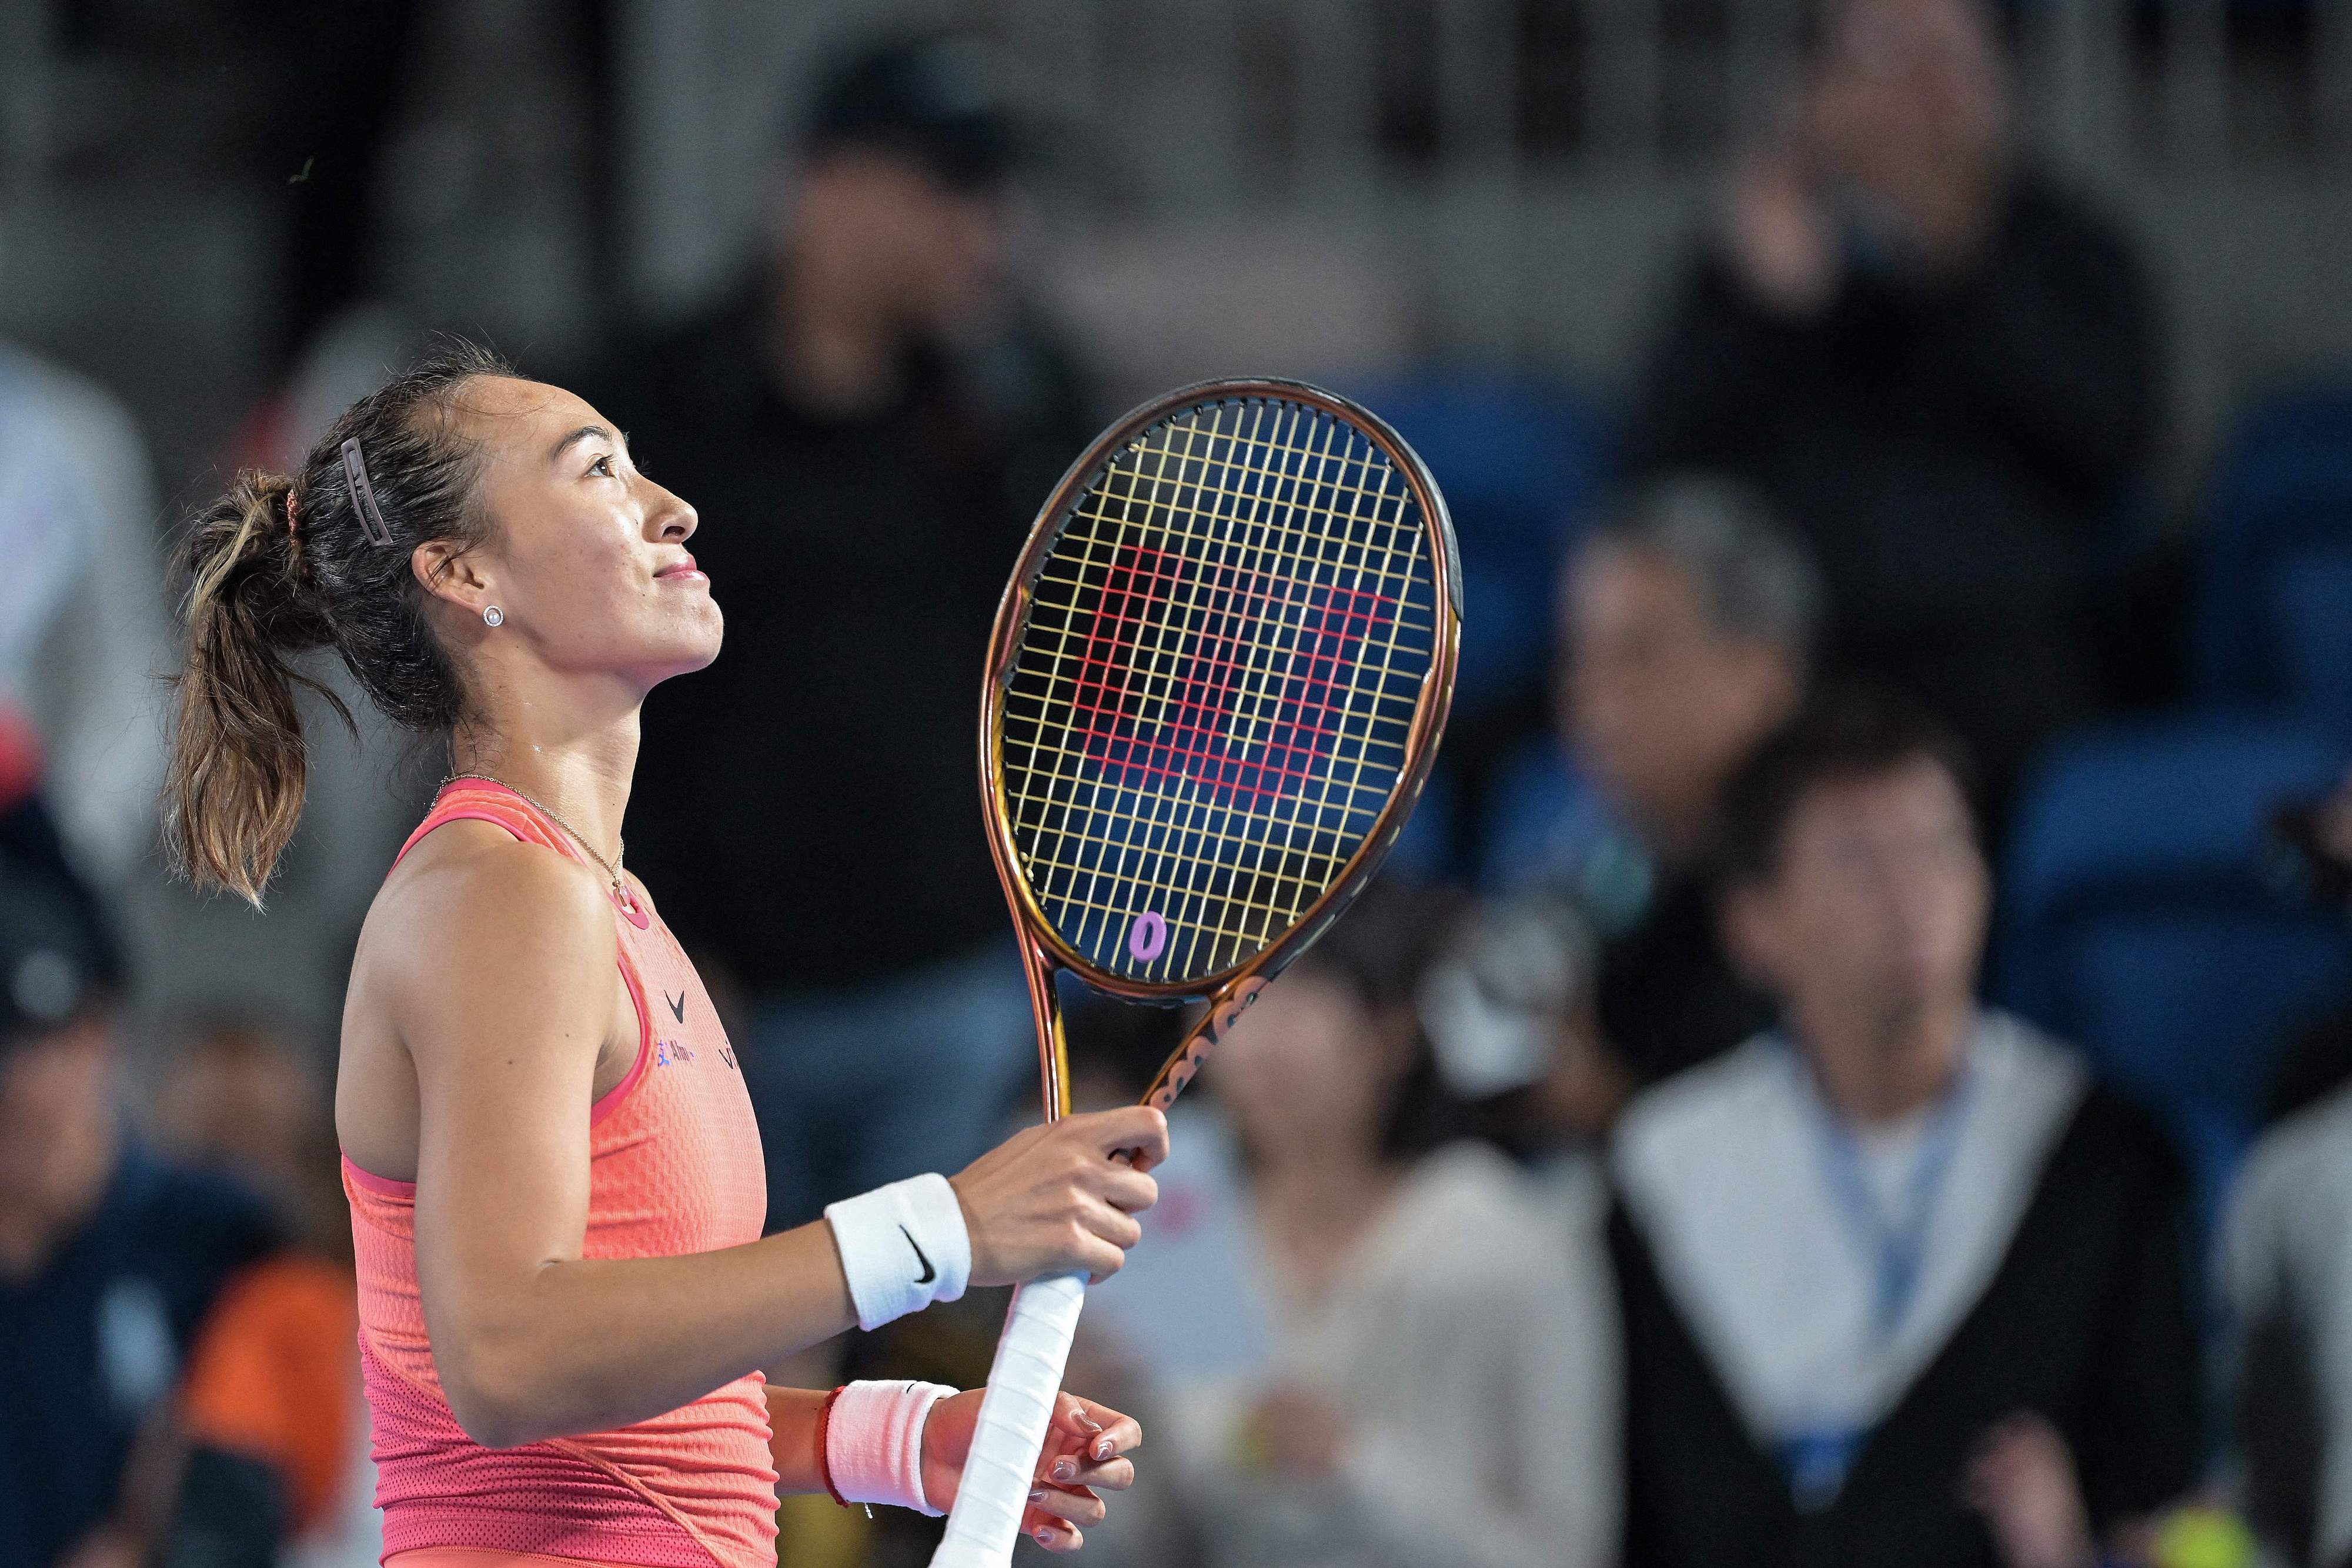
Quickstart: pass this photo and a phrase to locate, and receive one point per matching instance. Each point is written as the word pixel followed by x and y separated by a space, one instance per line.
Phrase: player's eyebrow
pixel 584 433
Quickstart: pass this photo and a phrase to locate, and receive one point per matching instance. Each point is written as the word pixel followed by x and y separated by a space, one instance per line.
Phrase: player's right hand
pixel 1055 1200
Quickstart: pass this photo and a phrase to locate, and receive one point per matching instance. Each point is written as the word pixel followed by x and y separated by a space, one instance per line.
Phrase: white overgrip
pixel 1014 1415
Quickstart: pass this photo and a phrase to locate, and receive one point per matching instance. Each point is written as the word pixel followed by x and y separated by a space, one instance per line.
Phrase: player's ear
pixel 450 570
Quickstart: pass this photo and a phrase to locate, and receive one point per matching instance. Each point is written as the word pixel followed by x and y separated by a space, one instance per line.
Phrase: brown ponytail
pixel 234 790
pixel 282 565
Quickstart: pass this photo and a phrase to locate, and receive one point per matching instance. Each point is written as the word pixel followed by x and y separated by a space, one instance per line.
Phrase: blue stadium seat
pixel 1519 462
pixel 1540 818
pixel 1551 829
pixel 2137 923
pixel 2273 623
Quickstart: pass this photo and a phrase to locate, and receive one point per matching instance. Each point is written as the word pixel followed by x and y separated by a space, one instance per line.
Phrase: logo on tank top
pixel 668 1050
pixel 676 1005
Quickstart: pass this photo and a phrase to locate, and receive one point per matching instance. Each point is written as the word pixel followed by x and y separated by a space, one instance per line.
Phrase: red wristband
pixel 823 1460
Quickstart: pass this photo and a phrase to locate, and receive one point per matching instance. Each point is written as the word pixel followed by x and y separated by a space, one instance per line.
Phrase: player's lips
pixel 684 570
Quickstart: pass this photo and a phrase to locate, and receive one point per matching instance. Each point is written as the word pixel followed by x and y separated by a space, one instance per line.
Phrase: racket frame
pixel 1231 991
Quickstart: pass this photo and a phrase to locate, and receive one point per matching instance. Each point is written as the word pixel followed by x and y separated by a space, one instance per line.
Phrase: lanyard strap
pixel 1897 1246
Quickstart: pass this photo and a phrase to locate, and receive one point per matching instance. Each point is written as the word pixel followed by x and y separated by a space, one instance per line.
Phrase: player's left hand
pixel 1085 1457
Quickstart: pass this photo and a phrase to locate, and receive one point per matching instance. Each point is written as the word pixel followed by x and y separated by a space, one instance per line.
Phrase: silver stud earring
pixel 493 616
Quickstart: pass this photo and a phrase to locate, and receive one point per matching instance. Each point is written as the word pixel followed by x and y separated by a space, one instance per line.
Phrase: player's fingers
pixel 1138 1129
pixel 1053 1534
pixel 1098 1258
pixel 1112 1475
pixel 1125 1189
pixel 1117 1435
pixel 1119 1229
pixel 1072 1505
pixel 1081 1419
pixel 1098 1464
pixel 1100 1430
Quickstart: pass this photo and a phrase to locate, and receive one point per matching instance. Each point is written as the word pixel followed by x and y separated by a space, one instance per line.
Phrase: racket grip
pixel 1014 1415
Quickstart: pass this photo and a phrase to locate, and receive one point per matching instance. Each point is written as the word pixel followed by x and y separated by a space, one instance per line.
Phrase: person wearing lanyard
pixel 1895 1274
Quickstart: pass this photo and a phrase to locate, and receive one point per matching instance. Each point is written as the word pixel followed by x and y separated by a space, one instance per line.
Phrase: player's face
pixel 587 558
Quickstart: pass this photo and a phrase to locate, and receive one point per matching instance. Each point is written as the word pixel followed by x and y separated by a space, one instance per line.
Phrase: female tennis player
pixel 554 1178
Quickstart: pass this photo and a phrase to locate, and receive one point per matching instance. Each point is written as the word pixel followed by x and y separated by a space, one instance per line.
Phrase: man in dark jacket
pixel 1903 1287
pixel 1943 370
pixel 109 1258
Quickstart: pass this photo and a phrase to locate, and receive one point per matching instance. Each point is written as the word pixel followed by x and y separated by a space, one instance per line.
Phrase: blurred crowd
pixel 1851 1065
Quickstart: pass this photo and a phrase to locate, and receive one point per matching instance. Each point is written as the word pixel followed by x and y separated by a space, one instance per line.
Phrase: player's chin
pixel 682 649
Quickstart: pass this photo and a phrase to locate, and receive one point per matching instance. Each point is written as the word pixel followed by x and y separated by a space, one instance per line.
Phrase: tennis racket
pixel 1215 687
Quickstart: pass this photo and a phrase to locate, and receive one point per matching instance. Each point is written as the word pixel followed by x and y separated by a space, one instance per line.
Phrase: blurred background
pixel 1841 379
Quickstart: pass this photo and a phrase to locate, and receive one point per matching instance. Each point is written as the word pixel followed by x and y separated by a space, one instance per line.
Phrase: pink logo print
pixel 1148 937
pixel 1244 689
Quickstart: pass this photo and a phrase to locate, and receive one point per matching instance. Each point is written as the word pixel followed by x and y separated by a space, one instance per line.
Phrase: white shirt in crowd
pixel 2286 1264
pixel 84 637
pixel 1771 1222
pixel 1470 1343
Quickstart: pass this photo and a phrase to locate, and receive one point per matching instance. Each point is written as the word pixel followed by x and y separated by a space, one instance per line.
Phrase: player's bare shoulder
pixel 473 900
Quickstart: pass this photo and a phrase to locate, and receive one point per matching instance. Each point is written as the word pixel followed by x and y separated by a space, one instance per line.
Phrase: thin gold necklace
pixel 612 867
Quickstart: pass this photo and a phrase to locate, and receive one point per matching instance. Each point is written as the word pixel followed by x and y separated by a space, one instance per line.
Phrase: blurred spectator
pixel 109 1258
pixel 1508 1009
pixel 2285 1253
pixel 866 429
pixel 276 1468
pixel 1686 622
pixel 1900 1258
pixel 1942 369
pixel 1371 1352
pixel 82 629
pixel 2286 1281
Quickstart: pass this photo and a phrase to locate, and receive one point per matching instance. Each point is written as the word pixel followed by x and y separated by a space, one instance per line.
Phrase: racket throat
pixel 1053 1039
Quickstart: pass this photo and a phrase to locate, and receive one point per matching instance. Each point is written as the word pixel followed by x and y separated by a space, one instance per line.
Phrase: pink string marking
pixel 1193 743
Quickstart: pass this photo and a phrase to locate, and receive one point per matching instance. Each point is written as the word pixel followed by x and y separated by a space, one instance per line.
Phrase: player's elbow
pixel 494 1416
pixel 491 1384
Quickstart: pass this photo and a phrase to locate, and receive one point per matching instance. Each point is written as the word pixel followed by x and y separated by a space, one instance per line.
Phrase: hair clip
pixel 364 496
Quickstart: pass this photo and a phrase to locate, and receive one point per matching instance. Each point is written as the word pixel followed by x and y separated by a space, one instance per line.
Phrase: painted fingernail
pixel 1065 1470
pixel 1089 1422
pixel 1044 1533
pixel 1037 1494
pixel 1102 1449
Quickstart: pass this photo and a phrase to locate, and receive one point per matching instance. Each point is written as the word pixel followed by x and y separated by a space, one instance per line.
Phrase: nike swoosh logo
pixel 927 1276
pixel 676 1005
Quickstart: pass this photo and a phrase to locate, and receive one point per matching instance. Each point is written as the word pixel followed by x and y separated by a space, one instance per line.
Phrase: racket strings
pixel 1325 482
pixel 1270 693
pixel 1214 694
pixel 1155 483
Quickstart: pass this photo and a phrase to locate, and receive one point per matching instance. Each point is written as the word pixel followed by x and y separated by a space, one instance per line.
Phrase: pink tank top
pixel 674 1167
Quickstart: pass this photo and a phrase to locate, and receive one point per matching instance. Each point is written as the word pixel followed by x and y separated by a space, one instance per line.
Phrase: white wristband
pixel 874 1442
pixel 903 1247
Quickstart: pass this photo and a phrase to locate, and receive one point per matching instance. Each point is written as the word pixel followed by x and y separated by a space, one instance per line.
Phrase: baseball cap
pixel 938 98
pixel 57 956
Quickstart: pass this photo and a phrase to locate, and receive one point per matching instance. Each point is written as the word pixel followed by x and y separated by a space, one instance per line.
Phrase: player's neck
pixel 579 771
